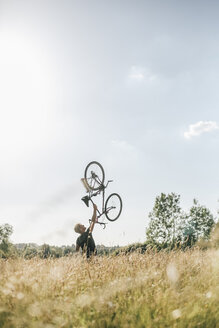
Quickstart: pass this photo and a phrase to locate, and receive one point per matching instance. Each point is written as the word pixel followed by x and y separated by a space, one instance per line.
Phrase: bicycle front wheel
pixel 113 207
pixel 94 175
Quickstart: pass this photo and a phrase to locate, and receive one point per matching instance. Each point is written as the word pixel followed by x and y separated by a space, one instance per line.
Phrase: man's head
pixel 79 228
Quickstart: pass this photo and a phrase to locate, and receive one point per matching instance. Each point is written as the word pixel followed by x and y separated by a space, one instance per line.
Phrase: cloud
pixel 138 73
pixel 199 128
pixel 122 145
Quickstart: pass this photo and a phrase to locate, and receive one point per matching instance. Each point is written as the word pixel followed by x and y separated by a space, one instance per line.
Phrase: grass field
pixel 175 289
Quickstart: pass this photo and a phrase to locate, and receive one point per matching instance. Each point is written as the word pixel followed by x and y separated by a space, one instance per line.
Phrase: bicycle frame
pixel 93 194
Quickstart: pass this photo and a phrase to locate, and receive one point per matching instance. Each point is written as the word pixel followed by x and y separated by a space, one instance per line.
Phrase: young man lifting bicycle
pixel 93 182
pixel 85 241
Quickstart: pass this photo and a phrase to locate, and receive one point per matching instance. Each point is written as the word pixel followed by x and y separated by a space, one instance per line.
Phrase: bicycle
pixel 93 181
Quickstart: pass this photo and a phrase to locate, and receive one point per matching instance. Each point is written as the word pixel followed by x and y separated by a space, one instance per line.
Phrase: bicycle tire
pixel 93 183
pixel 113 207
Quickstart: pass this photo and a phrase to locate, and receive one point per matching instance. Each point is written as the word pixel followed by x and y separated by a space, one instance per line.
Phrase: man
pixel 85 240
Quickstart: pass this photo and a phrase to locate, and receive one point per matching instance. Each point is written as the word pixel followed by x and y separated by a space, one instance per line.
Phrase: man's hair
pixel 77 228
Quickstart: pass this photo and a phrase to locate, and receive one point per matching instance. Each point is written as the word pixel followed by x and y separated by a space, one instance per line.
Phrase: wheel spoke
pixel 95 172
pixel 92 183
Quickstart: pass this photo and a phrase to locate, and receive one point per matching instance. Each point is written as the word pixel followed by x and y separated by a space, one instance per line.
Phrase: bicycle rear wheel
pixel 113 207
pixel 94 175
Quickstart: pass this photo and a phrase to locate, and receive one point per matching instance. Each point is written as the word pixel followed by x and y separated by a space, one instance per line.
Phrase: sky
pixel 130 84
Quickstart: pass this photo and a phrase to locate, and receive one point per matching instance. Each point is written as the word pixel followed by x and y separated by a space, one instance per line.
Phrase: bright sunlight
pixel 26 93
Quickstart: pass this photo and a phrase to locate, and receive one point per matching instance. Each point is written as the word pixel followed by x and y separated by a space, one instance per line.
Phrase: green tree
pixel 214 237
pixel 56 251
pixel 165 220
pixel 5 245
pixel 198 224
pixel 30 252
pixel 169 225
pixel 45 251
pixel 68 250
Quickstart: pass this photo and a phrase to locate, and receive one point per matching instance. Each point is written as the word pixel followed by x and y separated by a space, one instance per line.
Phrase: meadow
pixel 164 289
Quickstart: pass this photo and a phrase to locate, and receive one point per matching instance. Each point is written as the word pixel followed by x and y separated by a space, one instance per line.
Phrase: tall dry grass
pixel 175 289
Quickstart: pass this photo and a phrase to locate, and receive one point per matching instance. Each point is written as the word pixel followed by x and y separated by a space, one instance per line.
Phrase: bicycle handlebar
pixel 101 223
pixel 108 182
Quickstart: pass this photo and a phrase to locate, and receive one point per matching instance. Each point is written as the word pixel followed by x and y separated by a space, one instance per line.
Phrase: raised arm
pixel 94 217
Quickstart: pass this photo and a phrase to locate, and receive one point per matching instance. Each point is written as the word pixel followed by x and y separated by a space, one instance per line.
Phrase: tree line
pixel 169 227
pixel 30 250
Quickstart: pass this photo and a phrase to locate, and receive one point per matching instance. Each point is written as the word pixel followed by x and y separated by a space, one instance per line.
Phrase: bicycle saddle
pixel 86 200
